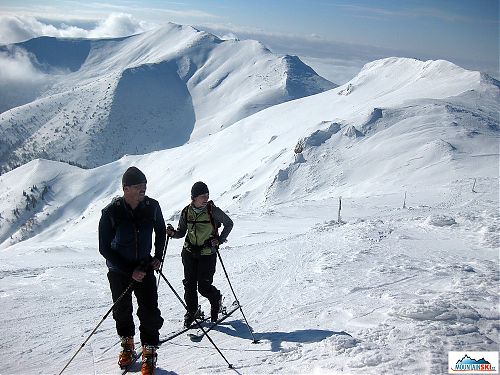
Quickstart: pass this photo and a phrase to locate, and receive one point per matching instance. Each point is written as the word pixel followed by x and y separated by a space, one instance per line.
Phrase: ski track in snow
pixel 380 294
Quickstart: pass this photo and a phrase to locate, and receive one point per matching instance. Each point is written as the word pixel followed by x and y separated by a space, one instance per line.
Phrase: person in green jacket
pixel 199 222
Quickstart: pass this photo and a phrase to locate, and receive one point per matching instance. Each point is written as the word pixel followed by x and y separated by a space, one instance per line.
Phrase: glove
pixel 140 272
pixel 213 241
pixel 170 230
pixel 155 263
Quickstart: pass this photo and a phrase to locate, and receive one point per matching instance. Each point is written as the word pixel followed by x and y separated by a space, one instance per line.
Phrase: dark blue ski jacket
pixel 125 235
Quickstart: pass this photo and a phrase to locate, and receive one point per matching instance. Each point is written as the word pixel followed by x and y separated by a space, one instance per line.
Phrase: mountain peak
pixel 397 77
pixel 147 92
pixel 412 67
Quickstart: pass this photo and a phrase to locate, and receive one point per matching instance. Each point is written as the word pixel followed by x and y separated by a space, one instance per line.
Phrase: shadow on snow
pixel 237 328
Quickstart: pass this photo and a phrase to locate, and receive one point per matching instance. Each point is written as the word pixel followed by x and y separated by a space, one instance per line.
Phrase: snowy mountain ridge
pixel 371 137
pixel 171 80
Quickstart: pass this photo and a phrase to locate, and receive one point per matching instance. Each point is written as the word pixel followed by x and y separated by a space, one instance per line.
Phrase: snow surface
pixel 389 289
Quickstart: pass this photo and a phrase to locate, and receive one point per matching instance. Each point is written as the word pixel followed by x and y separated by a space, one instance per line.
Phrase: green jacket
pixel 199 226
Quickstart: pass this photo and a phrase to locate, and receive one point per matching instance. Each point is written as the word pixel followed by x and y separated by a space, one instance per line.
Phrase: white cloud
pixel 15 29
pixel 20 80
pixel 16 66
pixel 118 24
pixel 447 15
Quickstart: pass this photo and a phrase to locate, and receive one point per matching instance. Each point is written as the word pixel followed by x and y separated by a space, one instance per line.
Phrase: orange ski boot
pixel 128 352
pixel 148 360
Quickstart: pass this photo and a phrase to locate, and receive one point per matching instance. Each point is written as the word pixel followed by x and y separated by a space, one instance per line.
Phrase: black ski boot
pixel 215 308
pixel 189 317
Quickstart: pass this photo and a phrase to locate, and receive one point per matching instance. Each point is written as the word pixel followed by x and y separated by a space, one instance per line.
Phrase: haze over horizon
pixel 335 38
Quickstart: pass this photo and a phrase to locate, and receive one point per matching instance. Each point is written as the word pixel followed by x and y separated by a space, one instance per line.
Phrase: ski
pixel 178 333
pixel 199 337
pixel 164 340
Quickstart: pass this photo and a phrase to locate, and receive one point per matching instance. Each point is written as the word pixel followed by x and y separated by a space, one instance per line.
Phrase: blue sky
pixel 439 26
pixel 462 31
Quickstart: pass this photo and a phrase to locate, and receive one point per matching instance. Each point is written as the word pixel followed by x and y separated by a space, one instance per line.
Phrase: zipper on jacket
pixel 136 243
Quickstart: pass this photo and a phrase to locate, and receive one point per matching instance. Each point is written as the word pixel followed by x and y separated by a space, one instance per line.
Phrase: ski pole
pixel 195 319
pixel 163 260
pixel 255 341
pixel 95 329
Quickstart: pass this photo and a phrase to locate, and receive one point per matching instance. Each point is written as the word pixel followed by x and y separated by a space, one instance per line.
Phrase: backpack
pixel 210 207
pixel 117 211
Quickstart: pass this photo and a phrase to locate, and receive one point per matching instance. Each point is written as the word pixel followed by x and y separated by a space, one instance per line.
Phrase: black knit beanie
pixel 199 188
pixel 133 176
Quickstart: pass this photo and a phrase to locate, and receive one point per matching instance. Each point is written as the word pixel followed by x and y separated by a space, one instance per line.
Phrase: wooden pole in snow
pixel 340 208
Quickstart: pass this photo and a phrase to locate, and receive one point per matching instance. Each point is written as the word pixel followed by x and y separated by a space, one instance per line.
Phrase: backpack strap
pixel 113 207
pixel 184 213
pixel 210 207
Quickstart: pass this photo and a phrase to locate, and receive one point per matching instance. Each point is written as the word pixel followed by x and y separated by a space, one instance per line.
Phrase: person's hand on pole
pixel 155 264
pixel 170 230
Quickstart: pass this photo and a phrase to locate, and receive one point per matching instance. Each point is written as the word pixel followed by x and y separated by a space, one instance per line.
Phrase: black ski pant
pixel 199 272
pixel 147 301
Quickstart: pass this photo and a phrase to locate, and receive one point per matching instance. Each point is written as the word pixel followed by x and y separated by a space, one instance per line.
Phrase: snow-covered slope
pixel 387 290
pixel 161 88
pixel 351 140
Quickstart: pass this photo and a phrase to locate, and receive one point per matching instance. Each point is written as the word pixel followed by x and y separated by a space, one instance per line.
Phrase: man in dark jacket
pixel 125 241
pixel 200 220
